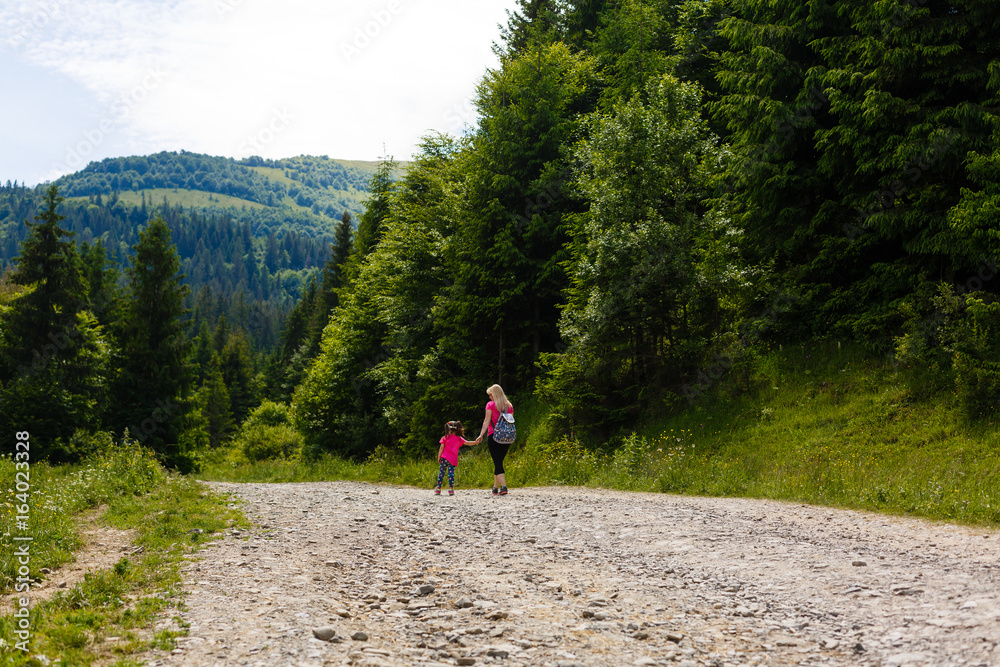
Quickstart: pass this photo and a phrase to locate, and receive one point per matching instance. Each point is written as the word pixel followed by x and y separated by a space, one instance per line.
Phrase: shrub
pixel 933 316
pixel 270 413
pixel 977 360
pixel 84 444
pixel 260 442
pixel 954 340
pixel 268 434
pixel 126 469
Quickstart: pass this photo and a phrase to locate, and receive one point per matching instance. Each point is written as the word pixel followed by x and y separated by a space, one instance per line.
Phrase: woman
pixel 498 403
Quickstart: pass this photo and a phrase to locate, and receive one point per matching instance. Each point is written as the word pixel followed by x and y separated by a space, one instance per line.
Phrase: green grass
pixel 369 165
pixel 825 426
pixel 351 194
pixel 58 494
pixel 187 198
pixel 127 599
pixel 274 174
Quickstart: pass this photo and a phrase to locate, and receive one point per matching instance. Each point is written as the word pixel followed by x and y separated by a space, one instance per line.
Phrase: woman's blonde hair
pixel 500 398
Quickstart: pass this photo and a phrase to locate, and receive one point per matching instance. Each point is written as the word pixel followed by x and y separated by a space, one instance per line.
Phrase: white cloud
pixel 275 77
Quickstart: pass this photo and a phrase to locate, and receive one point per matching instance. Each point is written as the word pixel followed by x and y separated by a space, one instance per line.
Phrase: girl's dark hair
pixel 454 427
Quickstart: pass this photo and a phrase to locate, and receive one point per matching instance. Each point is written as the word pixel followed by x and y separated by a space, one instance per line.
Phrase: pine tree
pixel 343 243
pixel 854 124
pixel 510 242
pixel 376 209
pixel 333 279
pixel 236 364
pixel 531 21
pixel 50 260
pixel 152 389
pixel 216 404
pixel 53 358
pixel 102 279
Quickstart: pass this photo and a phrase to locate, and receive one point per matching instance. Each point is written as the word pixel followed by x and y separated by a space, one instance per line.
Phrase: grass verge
pixel 825 426
pixel 105 618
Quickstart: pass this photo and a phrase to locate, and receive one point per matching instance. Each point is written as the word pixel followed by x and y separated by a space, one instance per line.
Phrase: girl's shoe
pixel 503 490
pixel 437 490
pixel 495 490
pixel 451 492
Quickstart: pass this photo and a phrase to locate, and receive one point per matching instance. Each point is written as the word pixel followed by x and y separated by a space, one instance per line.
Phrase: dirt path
pixel 568 576
pixel 102 548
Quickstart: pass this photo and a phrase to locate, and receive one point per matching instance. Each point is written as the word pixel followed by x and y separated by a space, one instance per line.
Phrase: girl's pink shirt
pixel 452 443
pixel 494 415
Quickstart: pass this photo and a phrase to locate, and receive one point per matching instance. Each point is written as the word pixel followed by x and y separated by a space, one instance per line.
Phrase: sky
pixel 83 80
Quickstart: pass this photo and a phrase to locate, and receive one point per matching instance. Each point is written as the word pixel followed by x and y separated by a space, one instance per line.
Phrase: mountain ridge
pixel 305 192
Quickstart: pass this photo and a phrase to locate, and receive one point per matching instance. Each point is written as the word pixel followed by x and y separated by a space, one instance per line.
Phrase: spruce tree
pixel 912 88
pixel 236 364
pixel 376 209
pixel 582 19
pixel 380 377
pixel 343 243
pixel 152 388
pixel 54 358
pixel 855 126
pixel 333 279
pixel 510 240
pixel 532 17
pixel 773 103
pixel 633 46
pixel 102 280
pixel 49 260
pixel 216 405
pixel 203 352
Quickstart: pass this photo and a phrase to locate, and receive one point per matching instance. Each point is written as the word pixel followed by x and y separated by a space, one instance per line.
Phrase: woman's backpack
pixel 504 432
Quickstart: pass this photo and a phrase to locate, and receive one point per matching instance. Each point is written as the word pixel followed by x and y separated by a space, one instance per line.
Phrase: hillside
pixel 305 193
pixel 255 227
pixel 252 278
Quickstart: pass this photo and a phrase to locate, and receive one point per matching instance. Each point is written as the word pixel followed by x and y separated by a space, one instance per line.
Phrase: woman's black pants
pixel 497 453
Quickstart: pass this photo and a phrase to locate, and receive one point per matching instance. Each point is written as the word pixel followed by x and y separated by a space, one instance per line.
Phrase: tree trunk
pixel 500 359
pixel 536 345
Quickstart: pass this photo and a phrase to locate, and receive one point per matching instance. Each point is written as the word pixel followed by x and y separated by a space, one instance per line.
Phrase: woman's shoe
pixel 437 490
pixel 503 490
pixel 495 490
pixel 451 492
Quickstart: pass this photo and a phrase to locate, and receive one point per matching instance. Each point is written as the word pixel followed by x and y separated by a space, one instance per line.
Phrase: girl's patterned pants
pixel 445 465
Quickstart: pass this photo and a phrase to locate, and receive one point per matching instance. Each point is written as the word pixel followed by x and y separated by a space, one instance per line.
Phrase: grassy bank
pixel 824 425
pixel 106 617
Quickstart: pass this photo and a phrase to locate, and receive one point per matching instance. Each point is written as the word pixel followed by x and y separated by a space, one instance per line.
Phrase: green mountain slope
pixel 305 194
pixel 250 234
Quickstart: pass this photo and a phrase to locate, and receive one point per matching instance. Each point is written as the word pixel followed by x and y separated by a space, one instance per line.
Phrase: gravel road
pixel 569 576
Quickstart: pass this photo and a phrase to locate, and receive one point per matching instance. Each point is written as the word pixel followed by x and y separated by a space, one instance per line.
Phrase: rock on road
pixel 343 573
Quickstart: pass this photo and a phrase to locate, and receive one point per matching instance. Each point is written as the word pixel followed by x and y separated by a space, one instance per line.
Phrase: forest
pixel 654 193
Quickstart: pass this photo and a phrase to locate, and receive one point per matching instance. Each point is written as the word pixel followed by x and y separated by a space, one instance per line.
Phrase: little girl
pixel 448 454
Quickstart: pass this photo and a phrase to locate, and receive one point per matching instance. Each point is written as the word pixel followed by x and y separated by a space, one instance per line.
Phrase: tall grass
pixel 826 425
pixel 58 493
pixel 168 514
